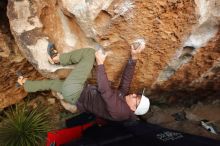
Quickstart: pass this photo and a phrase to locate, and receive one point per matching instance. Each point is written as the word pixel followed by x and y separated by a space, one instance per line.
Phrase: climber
pixel 101 100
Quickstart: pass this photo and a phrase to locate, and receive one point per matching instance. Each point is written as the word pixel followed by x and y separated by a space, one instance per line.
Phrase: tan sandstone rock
pixel 166 25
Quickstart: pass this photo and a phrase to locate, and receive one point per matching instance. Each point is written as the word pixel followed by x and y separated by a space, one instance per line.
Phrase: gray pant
pixel 72 86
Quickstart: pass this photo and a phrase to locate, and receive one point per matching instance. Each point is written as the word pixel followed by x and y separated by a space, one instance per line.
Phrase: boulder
pixel 167 26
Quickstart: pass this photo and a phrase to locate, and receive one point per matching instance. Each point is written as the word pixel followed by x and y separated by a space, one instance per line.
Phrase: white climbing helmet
pixel 143 106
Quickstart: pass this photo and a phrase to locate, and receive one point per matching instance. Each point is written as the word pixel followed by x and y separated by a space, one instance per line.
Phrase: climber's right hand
pixel 100 57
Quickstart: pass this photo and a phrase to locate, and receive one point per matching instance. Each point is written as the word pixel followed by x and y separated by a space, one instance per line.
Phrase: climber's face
pixel 133 101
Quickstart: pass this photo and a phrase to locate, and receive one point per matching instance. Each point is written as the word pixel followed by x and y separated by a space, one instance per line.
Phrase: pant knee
pixel 89 51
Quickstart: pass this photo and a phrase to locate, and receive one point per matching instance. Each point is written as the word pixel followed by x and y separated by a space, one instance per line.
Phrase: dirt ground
pixel 189 118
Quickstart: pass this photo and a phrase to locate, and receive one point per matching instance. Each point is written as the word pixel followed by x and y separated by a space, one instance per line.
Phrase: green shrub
pixel 24 126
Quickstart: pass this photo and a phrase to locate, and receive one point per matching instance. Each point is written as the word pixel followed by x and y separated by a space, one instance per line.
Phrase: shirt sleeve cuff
pixel 100 67
pixel 131 61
